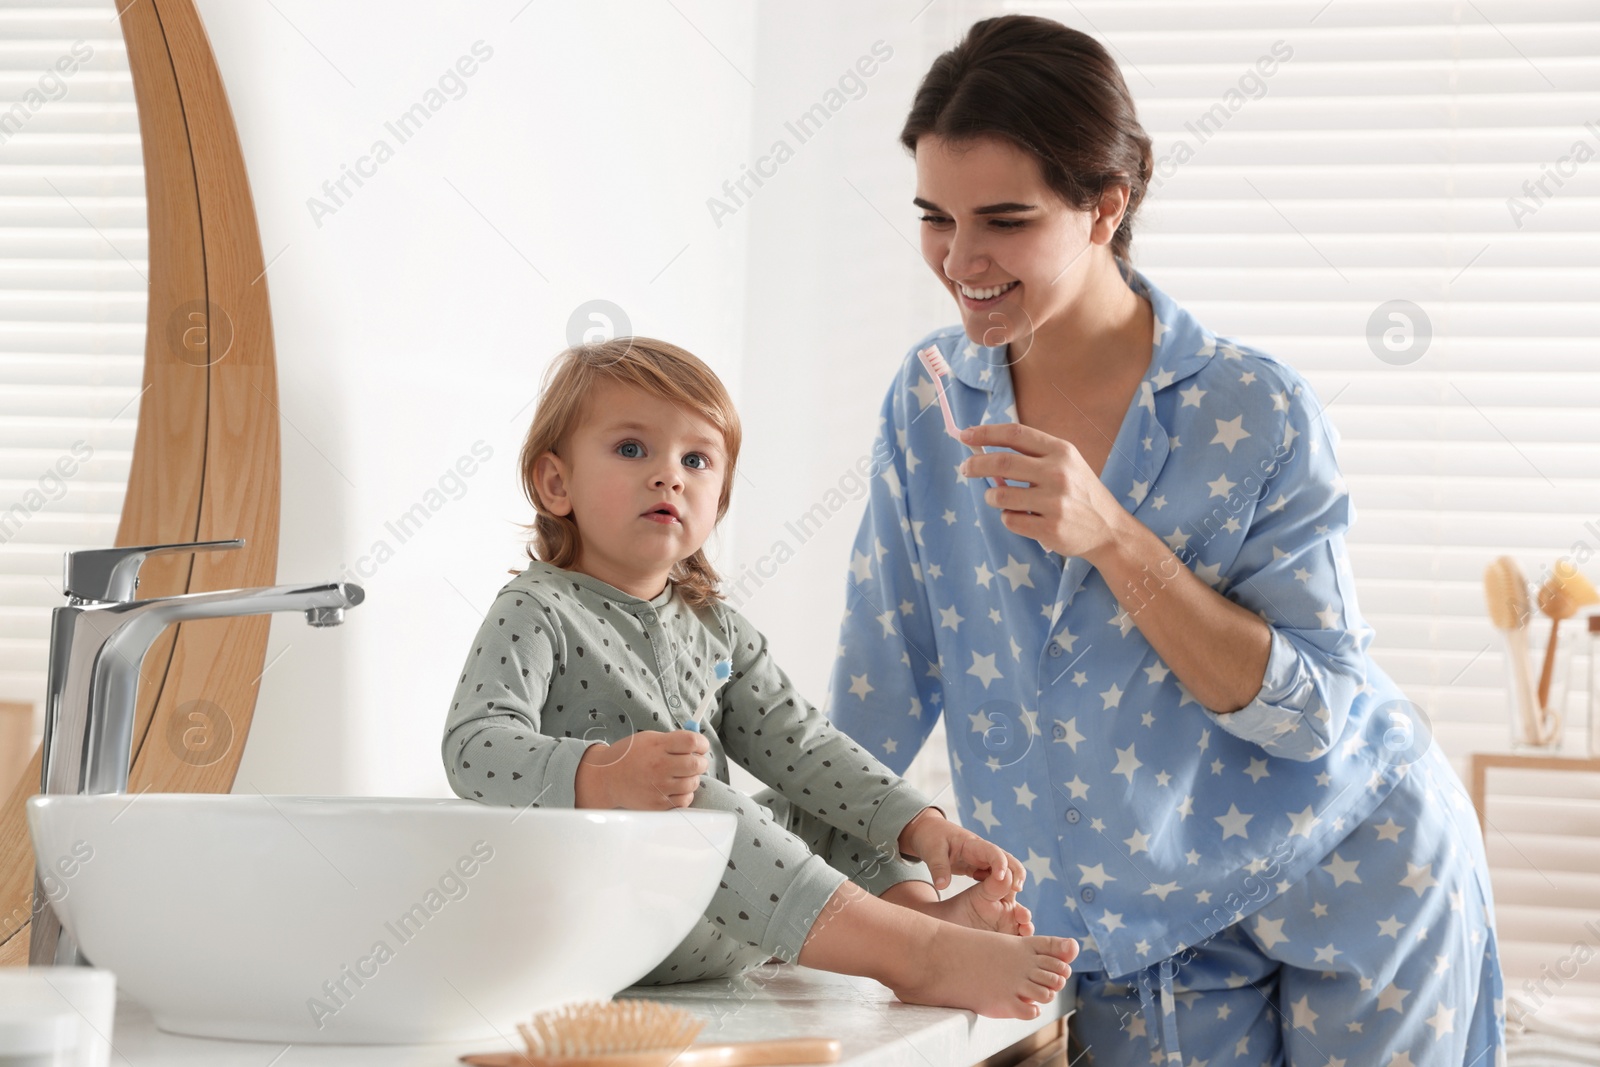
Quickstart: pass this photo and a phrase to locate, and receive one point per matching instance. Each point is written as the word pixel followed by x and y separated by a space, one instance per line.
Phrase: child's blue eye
pixel 638 450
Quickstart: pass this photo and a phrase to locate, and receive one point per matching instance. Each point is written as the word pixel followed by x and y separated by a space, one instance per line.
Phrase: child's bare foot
pixel 991 974
pixel 926 961
pixel 986 905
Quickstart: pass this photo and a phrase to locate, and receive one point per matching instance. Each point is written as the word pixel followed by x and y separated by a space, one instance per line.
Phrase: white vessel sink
pixel 370 920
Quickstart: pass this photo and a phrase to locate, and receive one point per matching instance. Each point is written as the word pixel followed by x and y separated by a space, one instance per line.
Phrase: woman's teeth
pixel 986 294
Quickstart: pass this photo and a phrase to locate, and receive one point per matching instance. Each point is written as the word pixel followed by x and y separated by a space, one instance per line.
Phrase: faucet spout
pixel 125 632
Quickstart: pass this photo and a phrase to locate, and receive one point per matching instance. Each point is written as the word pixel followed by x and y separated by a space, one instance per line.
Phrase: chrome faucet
pixel 97 641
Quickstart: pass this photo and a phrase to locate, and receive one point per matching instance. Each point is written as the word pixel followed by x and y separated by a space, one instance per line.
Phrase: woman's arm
pixel 885 690
pixel 1217 649
pixel 1289 568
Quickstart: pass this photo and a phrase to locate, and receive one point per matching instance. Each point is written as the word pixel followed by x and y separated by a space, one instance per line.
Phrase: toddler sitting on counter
pixel 582 681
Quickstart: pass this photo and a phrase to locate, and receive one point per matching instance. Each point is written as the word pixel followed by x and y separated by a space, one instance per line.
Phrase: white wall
pixel 414 321
pixel 838 292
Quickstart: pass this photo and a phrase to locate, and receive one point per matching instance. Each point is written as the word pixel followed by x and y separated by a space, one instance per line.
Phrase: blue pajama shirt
pixel 1154 830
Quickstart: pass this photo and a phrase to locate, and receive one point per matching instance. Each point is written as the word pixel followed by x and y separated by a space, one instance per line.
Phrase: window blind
pixel 72 308
pixel 1318 160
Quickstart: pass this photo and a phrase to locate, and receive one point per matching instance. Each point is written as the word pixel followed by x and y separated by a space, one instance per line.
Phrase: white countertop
pixel 774 1001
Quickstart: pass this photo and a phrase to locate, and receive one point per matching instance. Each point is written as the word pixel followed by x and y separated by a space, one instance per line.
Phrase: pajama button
pixel 648 616
pixel 1087 895
pixel 1055 649
pixel 672 701
pixel 1072 815
pixel 1058 731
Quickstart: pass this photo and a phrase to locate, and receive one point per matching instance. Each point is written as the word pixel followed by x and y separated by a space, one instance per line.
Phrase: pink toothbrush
pixel 937 368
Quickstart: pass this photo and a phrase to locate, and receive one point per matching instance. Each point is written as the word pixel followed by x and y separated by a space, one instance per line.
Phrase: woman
pixel 1156 678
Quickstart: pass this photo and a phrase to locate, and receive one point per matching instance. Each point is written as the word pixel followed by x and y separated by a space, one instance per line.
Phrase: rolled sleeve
pixel 1276 718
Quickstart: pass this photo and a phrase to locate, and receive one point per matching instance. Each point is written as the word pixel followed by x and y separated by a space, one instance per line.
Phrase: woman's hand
pixel 949 849
pixel 1065 507
pixel 651 770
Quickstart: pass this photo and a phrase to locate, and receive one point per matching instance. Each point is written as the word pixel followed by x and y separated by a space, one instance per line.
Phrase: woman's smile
pixel 978 298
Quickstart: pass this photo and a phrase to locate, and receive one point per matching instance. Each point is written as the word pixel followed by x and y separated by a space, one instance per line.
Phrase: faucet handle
pixel 110 575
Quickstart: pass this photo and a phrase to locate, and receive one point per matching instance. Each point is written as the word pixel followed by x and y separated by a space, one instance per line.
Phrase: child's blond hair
pixel 655 367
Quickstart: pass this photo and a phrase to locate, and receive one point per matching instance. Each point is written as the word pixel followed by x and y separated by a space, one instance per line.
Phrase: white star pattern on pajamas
pixel 1302 823
pixel 983 812
pixel 1038 867
pixel 1016 573
pixel 1230 433
pixel 1304 1018
pixel 1343 870
pixel 1233 823
pixel 1119 772
pixel 861 567
pixel 1069 735
pixel 1127 763
pixel 1095 876
pixel 983 669
pixel 1419 879
pixel 1270 931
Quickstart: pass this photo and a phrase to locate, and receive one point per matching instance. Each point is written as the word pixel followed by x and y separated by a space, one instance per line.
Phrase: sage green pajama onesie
pixel 564 661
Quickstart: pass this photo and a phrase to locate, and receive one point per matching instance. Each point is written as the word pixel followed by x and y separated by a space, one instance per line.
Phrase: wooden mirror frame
pixel 206 452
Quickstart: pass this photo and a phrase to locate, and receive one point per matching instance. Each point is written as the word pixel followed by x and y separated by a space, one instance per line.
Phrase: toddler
pixel 590 661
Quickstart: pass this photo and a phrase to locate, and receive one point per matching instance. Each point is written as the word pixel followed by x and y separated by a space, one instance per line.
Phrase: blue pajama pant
pixel 1390 964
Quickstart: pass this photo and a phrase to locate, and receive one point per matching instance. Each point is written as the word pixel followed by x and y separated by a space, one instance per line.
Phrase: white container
pixel 56 1016
pixel 1536 732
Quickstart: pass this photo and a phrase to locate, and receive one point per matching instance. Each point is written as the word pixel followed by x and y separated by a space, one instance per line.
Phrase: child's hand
pixel 950 849
pixel 647 771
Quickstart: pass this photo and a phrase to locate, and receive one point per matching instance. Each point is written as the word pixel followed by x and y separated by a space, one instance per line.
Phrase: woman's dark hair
pixel 1052 91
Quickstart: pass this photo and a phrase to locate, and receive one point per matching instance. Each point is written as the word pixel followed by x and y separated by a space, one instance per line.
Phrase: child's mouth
pixel 662 517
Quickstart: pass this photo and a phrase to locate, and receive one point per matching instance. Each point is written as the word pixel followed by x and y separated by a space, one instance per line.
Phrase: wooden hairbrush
pixel 641 1033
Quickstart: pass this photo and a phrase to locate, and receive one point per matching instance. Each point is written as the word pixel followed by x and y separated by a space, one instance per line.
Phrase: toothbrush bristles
pixel 934 361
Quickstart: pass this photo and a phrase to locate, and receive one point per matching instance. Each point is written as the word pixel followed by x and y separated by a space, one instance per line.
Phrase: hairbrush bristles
pixel 1506 591
pixel 598 1027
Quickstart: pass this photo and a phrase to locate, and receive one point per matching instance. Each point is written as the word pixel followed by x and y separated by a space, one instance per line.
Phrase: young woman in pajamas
pixel 590 660
pixel 1146 645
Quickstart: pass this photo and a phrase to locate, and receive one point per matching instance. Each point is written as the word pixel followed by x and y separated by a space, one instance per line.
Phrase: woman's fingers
pixel 1028 440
